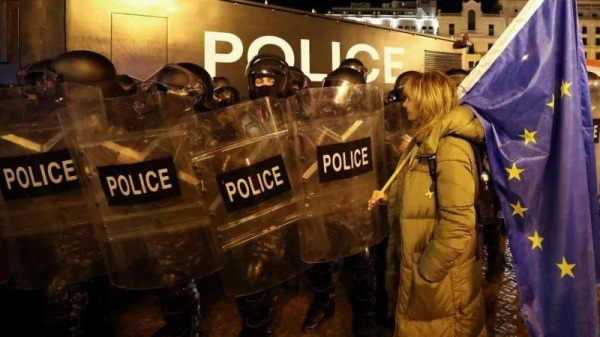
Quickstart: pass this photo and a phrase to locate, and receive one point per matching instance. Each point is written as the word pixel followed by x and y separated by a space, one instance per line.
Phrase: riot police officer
pixel 220 81
pixel 362 264
pixel 128 83
pixel 356 64
pixel 180 304
pixel 396 95
pixel 73 306
pixel 267 76
pixel 299 80
pixel 185 79
pixel 225 96
pixel 457 75
pixel 32 74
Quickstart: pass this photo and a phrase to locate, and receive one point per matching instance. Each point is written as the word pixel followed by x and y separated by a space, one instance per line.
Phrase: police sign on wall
pixel 222 36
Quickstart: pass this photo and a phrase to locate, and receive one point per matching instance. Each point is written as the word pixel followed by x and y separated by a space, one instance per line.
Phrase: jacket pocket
pixel 429 301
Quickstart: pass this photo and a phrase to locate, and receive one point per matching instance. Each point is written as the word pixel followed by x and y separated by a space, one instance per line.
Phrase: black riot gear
pixel 75 297
pixel 362 264
pixel 299 80
pixel 225 96
pixel 88 68
pixel 128 83
pixel 221 82
pixel 343 76
pixel 83 67
pixel 33 73
pixel 347 96
pixel 397 95
pixel 203 78
pixel 268 75
pixel 355 64
pixel 457 75
pixel 184 79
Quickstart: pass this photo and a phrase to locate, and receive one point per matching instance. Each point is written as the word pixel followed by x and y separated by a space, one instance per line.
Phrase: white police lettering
pixel 255 184
pixel 346 161
pixel 596 131
pixel 35 176
pixel 138 184
pixel 391 68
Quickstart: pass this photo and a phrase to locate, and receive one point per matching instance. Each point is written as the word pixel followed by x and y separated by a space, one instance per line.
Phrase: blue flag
pixel 531 93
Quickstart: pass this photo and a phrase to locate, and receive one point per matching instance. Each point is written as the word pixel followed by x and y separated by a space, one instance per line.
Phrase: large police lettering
pixel 346 160
pixel 255 184
pixel 143 183
pixel 212 58
pixel 51 173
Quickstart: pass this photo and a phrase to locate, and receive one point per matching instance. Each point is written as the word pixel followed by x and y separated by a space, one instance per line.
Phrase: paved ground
pixel 136 314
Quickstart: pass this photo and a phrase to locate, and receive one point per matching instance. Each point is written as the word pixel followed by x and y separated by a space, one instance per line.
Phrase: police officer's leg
pixel 65 308
pixel 180 307
pixel 323 302
pixel 364 282
pixel 258 313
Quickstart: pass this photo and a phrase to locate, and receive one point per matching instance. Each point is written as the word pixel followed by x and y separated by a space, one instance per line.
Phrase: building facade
pixel 484 29
pixel 417 16
pixel 481 29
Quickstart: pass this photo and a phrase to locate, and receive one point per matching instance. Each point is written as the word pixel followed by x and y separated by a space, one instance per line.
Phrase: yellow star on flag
pixel 519 209
pixel 514 172
pixel 565 268
pixel 429 194
pixel 564 89
pixel 529 137
pixel 551 103
pixel 536 240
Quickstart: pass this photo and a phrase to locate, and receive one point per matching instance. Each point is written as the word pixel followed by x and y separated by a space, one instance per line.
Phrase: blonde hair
pixel 433 95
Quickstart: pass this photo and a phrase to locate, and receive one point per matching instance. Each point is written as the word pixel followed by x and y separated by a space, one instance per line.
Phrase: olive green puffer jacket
pixel 434 278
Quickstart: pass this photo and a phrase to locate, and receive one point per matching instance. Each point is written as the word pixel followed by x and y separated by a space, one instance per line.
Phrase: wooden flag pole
pixel 396 173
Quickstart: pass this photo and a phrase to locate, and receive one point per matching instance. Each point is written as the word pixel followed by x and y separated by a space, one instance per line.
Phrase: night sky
pixel 322 6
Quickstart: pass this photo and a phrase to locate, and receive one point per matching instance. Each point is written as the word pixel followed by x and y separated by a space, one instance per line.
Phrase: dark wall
pixel 31 30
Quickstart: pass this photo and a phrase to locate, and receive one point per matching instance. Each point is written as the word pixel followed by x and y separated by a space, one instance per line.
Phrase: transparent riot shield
pixel 45 224
pixel 139 181
pixel 397 127
pixel 243 156
pixel 339 140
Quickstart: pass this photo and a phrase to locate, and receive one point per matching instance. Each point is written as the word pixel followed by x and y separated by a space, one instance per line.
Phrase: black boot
pixel 494 244
pixel 65 308
pixel 180 307
pixel 99 319
pixel 258 314
pixel 323 302
pixel 364 280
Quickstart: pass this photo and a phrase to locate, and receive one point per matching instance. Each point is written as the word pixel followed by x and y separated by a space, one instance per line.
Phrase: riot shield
pixel 243 157
pixel 339 140
pixel 48 236
pixel 139 181
pixel 396 126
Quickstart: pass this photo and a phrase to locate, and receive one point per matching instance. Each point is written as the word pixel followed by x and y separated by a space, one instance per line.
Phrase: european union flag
pixel 531 93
